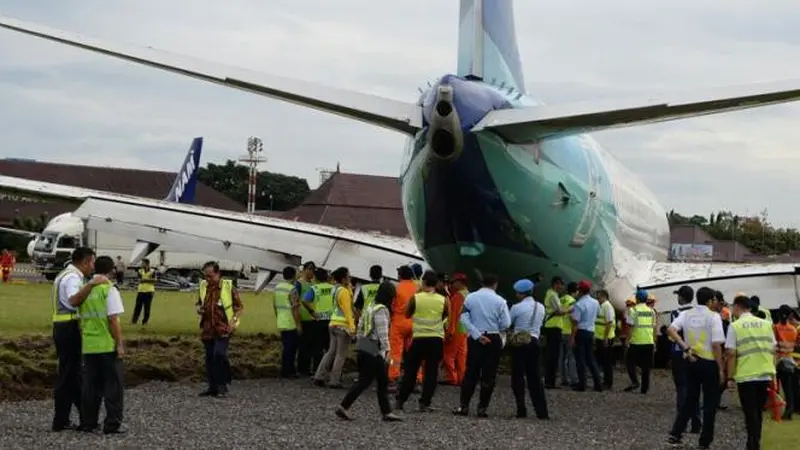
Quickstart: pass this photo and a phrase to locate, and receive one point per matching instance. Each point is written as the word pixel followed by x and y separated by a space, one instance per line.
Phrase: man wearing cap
pixel 584 314
pixel 485 316
pixel 679 363
pixel 702 347
pixel 527 316
pixel 305 350
pixel 641 344
pixel 455 338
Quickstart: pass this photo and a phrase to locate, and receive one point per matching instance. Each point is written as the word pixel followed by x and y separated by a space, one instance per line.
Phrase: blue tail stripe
pixel 185 185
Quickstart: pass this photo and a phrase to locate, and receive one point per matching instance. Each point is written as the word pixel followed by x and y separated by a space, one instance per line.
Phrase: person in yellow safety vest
pixel 604 333
pixel 368 291
pixel 428 312
pixel 552 331
pixel 103 348
pixel 220 309
pixel 287 316
pixel 756 301
pixel 417 269
pixel 751 365
pixel 641 344
pixel 372 354
pixel 145 292
pixel 342 328
pixel 569 371
pixel 306 363
pixel 319 299
pixel 701 345
pixel 69 289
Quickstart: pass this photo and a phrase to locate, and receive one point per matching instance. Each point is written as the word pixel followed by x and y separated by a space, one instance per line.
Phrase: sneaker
pixel 461 411
pixel 342 413
pixel 676 441
pixel 392 417
pixel 482 413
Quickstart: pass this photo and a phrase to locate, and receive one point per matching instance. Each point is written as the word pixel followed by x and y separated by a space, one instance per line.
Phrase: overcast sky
pixel 65 105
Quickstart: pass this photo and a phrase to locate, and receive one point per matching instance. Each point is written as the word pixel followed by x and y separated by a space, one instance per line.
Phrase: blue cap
pixel 641 295
pixel 523 286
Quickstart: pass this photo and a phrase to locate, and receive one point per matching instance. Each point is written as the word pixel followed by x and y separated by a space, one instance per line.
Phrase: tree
pixel 275 191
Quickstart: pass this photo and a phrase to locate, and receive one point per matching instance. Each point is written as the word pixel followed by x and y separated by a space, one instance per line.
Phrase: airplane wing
pixel 539 122
pixel 392 114
pixel 15 231
pixel 775 284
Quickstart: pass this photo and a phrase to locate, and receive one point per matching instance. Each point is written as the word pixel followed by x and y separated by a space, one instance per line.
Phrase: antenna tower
pixel 255 148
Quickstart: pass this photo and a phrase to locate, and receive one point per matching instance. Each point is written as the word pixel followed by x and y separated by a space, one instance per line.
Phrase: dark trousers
pixel 789 383
pixel 102 381
pixel 584 356
pixel 67 390
pixel 551 354
pixel 305 349
pixel 319 341
pixel 482 362
pixel 218 368
pixel 525 368
pixel 290 340
pixel 370 367
pixel 700 375
pixel 681 379
pixel 604 355
pixel 143 301
pixel 120 277
pixel 753 397
pixel 640 356
pixel 428 351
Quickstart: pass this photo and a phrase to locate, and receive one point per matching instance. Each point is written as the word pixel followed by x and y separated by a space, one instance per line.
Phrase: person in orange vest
pixel 5 265
pixel 787 369
pixel 455 340
pixel 401 327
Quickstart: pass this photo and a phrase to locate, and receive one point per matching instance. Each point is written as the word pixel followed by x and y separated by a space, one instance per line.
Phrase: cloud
pixel 62 104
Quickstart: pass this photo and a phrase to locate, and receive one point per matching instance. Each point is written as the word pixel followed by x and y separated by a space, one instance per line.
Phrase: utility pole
pixel 255 147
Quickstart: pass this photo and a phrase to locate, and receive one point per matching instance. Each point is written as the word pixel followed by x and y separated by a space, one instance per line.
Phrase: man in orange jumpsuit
pixel 5 265
pixel 455 337
pixel 400 328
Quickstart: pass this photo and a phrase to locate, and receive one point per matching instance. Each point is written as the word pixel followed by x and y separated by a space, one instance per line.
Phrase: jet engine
pixel 445 137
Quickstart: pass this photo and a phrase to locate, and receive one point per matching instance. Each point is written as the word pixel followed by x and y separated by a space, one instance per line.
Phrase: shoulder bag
pixel 523 338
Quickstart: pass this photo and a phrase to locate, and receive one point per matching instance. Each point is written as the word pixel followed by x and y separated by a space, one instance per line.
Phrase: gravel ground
pixel 292 414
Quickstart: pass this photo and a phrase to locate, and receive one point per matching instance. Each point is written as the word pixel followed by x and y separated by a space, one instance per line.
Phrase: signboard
pixel 691 252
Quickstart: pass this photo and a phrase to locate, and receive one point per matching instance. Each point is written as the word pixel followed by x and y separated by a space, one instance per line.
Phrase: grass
pixel 167 349
pixel 780 435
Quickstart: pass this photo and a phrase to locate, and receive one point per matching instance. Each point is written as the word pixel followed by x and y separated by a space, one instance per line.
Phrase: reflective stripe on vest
pixel 305 286
pixel 369 291
pixel 338 313
pixel 323 300
pixel 567 302
pixel 554 321
pixel 642 329
pixel 225 296
pixel 600 322
pixel 96 334
pixel 147 276
pixel 369 318
pixel 754 348
pixel 697 339
pixel 461 328
pixel 283 306
pixel 61 314
pixel 427 318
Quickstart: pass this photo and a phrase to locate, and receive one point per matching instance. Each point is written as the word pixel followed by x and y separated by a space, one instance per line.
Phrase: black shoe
pixel 672 440
pixel 426 409
pixel 704 446
pixel 461 411
pixel 114 431
pixel 342 413
pixel 320 383
pixel 696 430
pixel 578 389
pixel 67 426
pixel 209 393
pixel 631 388
pixel 482 413
pixel 87 428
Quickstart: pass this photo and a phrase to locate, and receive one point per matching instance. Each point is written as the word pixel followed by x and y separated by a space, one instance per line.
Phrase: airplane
pixel 494 181
pixel 49 250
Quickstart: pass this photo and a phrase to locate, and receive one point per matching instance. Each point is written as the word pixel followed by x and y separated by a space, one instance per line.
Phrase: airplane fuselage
pixel 476 203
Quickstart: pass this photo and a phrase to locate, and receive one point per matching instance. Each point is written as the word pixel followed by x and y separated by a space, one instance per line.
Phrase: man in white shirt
pixel 69 290
pixel 702 347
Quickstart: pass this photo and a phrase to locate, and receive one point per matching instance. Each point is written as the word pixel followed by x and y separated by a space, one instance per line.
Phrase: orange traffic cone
pixel 774 401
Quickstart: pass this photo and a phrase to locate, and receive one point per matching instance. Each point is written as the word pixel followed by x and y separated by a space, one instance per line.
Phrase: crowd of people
pixel 405 333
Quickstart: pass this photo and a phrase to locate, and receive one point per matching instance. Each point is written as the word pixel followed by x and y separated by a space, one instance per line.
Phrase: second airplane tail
pixel 185 184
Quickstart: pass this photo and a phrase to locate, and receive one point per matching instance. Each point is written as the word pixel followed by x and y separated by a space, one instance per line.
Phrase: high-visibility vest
pixel 566 320
pixel 225 296
pixel 305 286
pixel 368 317
pixel 643 321
pixel 323 300
pixel 369 291
pixel 754 348
pixel 696 339
pixel 147 275
pixel 553 321
pixel 96 334
pixel 427 318
pixel 283 306
pixel 600 322
pixel 338 315
pixel 60 313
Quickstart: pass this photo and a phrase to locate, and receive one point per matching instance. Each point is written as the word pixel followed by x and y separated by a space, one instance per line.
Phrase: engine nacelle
pixel 445 137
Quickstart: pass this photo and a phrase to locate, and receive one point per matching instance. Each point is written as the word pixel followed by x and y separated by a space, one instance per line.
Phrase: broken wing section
pixel 269 243
pixel 539 122
pixel 775 284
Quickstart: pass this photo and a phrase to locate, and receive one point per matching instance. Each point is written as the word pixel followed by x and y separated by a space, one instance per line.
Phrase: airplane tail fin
pixel 183 189
pixel 487 43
